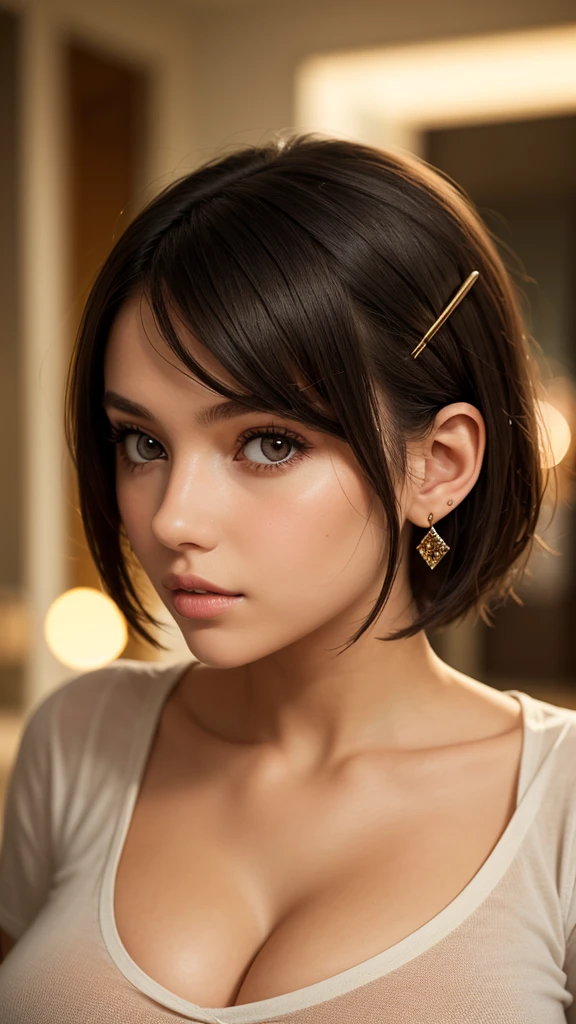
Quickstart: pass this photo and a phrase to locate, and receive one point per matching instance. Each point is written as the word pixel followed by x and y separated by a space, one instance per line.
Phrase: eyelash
pixel 117 435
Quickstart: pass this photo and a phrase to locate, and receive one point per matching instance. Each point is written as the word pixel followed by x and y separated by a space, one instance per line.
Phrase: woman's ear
pixel 445 467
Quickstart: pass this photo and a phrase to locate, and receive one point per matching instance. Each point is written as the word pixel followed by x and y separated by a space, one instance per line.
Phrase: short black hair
pixel 310 267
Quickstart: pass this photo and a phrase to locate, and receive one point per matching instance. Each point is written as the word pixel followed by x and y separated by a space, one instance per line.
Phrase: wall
pixel 246 56
pixel 11 420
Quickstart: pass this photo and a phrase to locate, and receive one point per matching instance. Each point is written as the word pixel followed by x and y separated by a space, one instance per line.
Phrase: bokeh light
pixel 555 435
pixel 85 629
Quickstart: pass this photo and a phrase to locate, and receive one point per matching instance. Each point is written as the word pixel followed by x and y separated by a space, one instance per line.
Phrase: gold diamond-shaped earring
pixel 432 547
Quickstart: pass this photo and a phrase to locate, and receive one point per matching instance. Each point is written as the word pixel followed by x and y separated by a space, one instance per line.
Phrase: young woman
pixel 295 365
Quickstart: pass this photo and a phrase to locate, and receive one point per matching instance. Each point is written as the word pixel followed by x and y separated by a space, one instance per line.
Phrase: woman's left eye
pixel 274 448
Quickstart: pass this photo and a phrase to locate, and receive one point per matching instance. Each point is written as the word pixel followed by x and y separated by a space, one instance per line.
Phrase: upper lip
pixel 175 582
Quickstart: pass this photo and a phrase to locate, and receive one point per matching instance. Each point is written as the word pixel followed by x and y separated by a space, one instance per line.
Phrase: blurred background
pixel 104 103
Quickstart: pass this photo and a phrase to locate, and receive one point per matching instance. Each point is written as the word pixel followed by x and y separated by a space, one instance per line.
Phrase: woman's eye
pixel 264 449
pixel 141 448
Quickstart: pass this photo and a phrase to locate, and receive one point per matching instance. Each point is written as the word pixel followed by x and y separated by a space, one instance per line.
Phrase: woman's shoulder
pixel 552 728
pixel 126 677
pixel 548 715
pixel 103 703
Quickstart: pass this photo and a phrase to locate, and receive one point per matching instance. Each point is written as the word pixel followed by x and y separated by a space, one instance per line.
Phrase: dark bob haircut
pixel 310 267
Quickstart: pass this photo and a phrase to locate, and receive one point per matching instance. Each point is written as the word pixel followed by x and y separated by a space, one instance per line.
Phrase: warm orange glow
pixel 373 93
pixel 85 629
pixel 555 435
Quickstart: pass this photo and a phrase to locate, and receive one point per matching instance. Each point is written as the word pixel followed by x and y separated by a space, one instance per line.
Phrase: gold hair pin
pixel 462 291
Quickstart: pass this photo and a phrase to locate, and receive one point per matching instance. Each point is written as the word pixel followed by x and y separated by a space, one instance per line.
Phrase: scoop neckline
pixel 529 792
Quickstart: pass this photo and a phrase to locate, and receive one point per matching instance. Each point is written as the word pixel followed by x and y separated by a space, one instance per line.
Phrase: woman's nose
pixel 188 510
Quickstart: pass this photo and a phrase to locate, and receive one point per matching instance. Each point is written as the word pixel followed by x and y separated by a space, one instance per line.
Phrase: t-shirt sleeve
pixel 568 901
pixel 570 971
pixel 26 854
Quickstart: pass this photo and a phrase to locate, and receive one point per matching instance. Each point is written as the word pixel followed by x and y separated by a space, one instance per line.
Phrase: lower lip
pixel 202 606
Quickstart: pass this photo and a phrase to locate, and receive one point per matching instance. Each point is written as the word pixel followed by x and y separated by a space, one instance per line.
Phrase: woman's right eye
pixel 141 445
pixel 134 446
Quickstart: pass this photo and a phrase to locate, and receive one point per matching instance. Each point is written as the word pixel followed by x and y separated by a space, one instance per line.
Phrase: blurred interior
pixel 102 104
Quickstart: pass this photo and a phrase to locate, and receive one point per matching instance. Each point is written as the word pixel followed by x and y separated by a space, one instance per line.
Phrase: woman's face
pixel 285 521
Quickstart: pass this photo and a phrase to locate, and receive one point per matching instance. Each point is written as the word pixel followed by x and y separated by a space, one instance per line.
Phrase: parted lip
pixel 175 582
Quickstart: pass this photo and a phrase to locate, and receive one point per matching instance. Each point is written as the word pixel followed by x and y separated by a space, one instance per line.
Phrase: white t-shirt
pixel 502 952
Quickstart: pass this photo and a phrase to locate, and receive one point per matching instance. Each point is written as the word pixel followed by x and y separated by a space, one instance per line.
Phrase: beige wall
pixel 10 423
pixel 245 56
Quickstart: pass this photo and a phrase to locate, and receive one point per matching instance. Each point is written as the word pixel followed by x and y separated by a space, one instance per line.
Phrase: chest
pixel 229 892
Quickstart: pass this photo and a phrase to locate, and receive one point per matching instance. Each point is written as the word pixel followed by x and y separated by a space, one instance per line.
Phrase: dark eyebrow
pixel 227 410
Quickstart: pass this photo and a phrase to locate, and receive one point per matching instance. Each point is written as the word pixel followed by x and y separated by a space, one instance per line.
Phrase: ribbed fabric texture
pixel 502 952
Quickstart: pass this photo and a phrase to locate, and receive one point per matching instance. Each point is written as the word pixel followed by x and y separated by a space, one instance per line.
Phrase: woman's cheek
pixel 135 513
pixel 312 536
